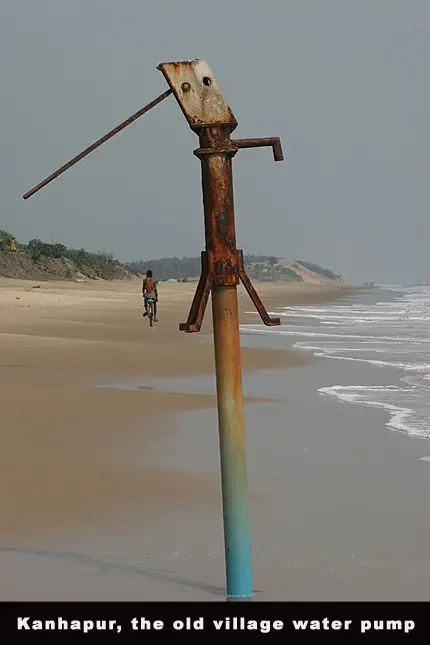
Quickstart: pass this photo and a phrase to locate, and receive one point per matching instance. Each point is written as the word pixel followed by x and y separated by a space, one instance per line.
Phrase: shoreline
pixel 61 433
pixel 338 506
pixel 400 415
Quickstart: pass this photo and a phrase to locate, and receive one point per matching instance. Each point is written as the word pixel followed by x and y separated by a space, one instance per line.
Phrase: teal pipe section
pixel 232 443
pixel 237 542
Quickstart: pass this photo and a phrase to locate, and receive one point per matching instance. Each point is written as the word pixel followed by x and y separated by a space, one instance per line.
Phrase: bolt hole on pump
pixel 222 269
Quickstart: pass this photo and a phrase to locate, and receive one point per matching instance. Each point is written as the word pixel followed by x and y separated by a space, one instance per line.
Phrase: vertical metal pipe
pixel 232 441
pixel 216 155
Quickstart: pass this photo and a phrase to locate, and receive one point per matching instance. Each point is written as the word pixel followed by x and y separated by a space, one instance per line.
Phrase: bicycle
pixel 150 304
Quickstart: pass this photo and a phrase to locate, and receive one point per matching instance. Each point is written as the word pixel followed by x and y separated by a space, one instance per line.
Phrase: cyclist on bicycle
pixel 149 290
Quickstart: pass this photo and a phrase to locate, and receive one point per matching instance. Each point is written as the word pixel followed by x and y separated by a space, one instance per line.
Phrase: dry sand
pixel 65 444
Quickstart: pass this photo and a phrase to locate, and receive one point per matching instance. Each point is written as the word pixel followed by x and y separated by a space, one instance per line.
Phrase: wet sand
pixel 79 461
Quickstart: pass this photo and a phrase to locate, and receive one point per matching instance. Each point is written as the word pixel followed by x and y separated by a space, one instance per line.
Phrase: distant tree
pixel 272 262
pixel 58 250
pixel 259 268
pixel 35 248
pixel 108 255
pixel 5 237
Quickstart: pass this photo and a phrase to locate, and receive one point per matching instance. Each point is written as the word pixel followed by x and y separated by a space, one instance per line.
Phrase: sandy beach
pixel 61 435
pixel 83 454
pixel 109 478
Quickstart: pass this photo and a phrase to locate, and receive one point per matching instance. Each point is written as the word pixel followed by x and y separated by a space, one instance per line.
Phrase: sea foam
pixel 391 334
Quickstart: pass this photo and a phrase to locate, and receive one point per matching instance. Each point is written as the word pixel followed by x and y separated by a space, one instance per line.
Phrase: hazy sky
pixel 344 83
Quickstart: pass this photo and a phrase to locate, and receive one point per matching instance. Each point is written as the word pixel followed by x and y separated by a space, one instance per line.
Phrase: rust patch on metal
pixel 272 142
pixel 222 263
pixel 198 94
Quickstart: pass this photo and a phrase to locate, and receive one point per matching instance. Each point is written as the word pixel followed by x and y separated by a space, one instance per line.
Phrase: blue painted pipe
pixel 232 442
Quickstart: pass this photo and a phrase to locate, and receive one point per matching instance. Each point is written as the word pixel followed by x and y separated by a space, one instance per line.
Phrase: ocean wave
pixel 402 419
pixel 293 331
pixel 394 334
pixel 407 367
pixel 360 320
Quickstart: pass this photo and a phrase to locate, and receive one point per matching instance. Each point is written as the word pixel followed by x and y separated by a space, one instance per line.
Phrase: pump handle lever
pixel 98 143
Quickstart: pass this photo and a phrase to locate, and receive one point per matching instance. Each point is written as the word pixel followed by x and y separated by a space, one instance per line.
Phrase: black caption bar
pixel 116 622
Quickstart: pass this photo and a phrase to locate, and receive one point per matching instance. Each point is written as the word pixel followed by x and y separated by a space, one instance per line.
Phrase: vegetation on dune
pixel 315 268
pixel 43 256
pixel 186 267
pixel 291 274
pixel 38 258
pixel 258 267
